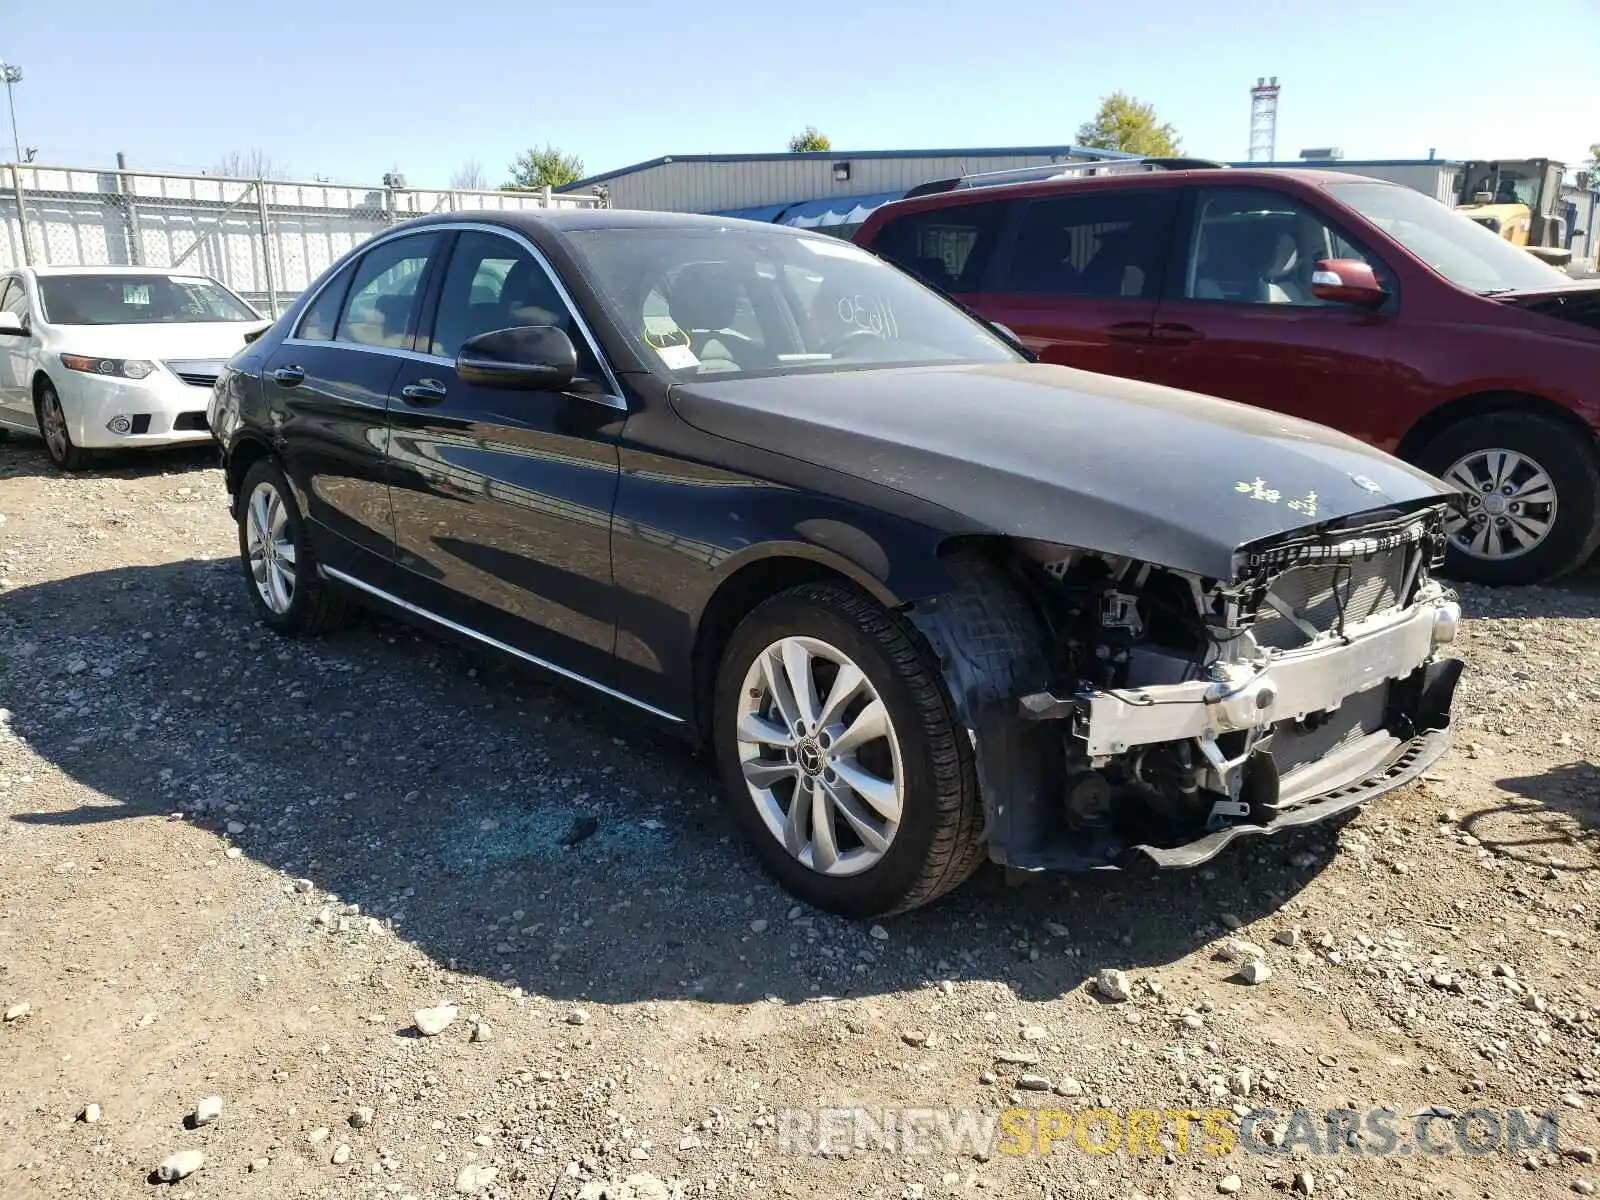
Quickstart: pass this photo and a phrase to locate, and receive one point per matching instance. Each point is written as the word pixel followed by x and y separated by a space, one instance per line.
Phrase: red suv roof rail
pixel 1068 170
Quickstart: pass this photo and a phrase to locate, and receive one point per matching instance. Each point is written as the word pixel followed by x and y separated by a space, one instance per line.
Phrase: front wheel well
pixel 245 454
pixel 1480 404
pixel 739 594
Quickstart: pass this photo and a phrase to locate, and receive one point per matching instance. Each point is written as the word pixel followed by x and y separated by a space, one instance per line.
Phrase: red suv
pixel 1361 304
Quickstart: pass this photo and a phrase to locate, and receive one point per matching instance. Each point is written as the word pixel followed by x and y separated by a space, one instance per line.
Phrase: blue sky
pixel 353 90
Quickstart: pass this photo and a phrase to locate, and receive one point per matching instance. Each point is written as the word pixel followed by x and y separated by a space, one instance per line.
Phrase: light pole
pixel 12 74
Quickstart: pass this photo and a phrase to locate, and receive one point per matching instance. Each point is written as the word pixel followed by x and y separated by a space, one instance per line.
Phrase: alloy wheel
pixel 270 547
pixel 820 757
pixel 54 422
pixel 1511 504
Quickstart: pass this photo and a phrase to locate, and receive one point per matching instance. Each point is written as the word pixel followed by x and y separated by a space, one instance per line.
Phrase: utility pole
pixel 12 75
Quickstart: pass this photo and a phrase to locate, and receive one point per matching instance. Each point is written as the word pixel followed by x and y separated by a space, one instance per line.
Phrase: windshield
pixel 733 302
pixel 138 300
pixel 1460 249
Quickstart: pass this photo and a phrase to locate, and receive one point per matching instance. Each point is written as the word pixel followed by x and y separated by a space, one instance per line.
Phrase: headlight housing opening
pixel 122 368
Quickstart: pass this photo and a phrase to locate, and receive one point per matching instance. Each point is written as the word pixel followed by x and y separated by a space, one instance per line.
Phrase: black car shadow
pixel 22 455
pixel 1566 794
pixel 515 829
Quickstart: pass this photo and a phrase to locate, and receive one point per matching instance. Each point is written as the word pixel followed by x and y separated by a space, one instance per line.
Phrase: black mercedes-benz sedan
pixel 926 601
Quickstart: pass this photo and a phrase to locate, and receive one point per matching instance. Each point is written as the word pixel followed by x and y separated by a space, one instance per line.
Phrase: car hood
pixel 1574 303
pixel 1046 452
pixel 200 340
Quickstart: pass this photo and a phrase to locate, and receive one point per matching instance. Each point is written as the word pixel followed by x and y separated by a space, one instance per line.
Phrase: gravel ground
pixel 234 868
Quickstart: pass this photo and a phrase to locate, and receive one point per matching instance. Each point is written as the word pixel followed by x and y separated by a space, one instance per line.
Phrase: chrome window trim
pixel 362 585
pixel 613 399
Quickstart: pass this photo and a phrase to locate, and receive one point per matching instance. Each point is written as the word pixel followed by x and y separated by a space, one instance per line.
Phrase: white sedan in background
pixel 97 358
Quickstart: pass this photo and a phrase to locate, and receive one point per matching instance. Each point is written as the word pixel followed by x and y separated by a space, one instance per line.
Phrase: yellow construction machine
pixel 1519 199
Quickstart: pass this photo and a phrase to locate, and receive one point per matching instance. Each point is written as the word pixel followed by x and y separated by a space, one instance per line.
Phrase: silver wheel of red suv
pixel 1511 504
pixel 1531 497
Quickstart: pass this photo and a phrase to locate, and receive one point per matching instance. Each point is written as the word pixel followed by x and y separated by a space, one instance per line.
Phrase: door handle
pixel 1171 334
pixel 424 391
pixel 289 376
pixel 1129 331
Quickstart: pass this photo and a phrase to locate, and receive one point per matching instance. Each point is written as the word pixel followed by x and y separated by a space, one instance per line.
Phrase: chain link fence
pixel 267 240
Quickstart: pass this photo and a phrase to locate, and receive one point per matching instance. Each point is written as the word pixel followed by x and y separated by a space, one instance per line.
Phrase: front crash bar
pixel 1290 686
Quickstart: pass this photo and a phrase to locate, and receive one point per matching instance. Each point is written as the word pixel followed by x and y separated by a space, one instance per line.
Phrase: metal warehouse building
pixel 833 189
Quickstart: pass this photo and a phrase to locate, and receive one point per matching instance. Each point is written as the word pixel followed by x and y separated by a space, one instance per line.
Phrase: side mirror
pixel 537 358
pixel 1347 281
pixel 11 325
pixel 251 335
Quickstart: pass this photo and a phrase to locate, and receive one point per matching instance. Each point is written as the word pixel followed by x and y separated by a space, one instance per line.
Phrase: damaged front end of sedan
pixel 1172 713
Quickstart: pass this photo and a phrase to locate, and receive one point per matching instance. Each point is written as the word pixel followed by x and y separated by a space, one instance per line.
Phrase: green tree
pixel 549 167
pixel 1127 123
pixel 808 141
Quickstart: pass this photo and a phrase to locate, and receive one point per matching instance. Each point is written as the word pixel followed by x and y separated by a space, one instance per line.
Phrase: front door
pixel 1080 281
pixel 1242 322
pixel 502 498
pixel 16 383
pixel 328 388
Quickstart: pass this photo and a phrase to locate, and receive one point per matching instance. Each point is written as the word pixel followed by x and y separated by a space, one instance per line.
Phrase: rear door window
pixel 949 248
pixel 381 310
pixel 322 314
pixel 1104 243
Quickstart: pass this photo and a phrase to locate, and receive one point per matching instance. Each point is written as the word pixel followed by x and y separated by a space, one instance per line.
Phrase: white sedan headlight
pixel 125 368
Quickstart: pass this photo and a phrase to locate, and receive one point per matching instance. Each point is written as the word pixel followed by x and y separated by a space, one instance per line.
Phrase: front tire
pixel 280 566
pixel 1533 489
pixel 52 419
pixel 840 754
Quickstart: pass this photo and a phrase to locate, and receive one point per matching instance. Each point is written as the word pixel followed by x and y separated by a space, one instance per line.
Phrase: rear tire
pixel 937 839
pixel 286 590
pixel 52 419
pixel 1505 538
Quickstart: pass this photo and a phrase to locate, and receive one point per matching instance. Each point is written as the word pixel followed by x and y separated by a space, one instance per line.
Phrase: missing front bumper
pixel 1294 686
pixel 1342 724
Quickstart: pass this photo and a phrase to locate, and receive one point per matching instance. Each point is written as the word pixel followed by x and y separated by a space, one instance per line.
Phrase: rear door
pixel 1240 320
pixel 328 385
pixel 1079 280
pixel 502 498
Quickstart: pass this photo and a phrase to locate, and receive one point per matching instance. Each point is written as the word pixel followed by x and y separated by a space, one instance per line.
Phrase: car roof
pixel 570 220
pixel 178 271
pixel 1033 188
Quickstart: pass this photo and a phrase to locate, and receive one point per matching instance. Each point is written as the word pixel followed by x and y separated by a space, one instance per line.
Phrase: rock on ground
pixel 1113 985
pixel 180 1165
pixel 475 1177
pixel 433 1021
